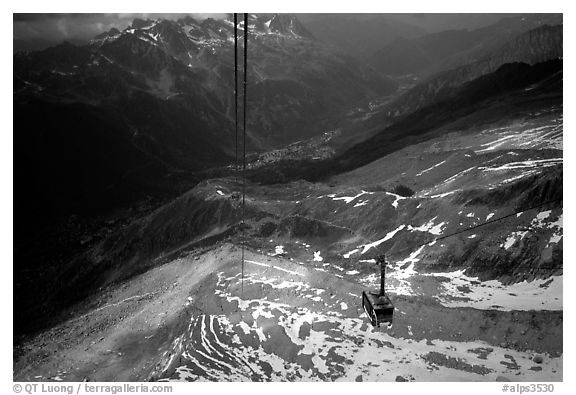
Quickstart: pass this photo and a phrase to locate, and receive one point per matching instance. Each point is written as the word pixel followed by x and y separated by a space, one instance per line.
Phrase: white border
pixel 286 6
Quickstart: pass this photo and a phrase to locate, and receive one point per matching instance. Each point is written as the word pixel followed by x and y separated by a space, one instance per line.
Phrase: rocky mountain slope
pixel 493 293
pixel 512 88
pixel 172 60
pixel 483 304
pixel 136 116
pixel 539 45
pixel 535 46
pixel 449 49
pixel 463 194
pixel 166 85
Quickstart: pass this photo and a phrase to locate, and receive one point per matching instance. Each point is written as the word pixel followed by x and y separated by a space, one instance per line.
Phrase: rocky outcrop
pixel 535 46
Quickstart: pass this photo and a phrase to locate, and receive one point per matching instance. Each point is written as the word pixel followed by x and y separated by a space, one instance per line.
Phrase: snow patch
pixel 361 203
pixel 430 168
pixel 512 239
pixel 388 236
pixel 441 195
pixel 348 254
pixel 525 164
pixel 397 199
pixel 429 227
pixel 349 199
pixel 278 250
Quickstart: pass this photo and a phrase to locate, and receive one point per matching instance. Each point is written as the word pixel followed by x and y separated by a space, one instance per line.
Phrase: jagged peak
pixel 138 23
pixel 288 24
pixel 208 31
pixel 110 33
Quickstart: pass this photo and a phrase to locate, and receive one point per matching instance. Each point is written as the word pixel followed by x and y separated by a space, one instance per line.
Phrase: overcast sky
pixel 38 31
pixel 34 31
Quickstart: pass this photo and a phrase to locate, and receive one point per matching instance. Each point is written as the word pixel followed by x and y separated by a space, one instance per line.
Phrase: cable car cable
pixel 236 92
pixel 244 142
pixel 478 226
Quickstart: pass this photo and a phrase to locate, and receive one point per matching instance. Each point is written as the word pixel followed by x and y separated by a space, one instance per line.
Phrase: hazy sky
pixel 37 31
pixel 40 30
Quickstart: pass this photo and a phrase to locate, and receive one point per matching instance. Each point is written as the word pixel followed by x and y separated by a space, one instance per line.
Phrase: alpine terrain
pixel 136 260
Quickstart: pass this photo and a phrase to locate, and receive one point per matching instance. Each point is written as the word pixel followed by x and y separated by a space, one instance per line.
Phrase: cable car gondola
pixel 377 305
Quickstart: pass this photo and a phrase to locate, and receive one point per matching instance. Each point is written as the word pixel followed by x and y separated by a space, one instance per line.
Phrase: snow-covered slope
pixel 193 319
pixel 485 304
pixel 465 202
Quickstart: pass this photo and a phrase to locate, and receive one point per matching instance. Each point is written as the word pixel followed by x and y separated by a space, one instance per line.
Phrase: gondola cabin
pixel 377 305
pixel 378 308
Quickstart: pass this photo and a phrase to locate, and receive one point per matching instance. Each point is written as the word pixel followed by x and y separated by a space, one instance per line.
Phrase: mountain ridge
pixel 446 50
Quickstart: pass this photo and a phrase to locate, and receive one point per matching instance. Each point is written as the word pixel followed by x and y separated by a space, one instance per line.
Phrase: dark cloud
pixel 41 17
pixel 34 31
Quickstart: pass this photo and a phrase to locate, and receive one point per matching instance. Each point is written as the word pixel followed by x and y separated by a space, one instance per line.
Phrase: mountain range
pixel 153 104
pixel 446 157
pixel 431 53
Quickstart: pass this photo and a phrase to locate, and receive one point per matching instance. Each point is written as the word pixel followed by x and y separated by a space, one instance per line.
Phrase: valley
pixel 131 227
pixel 476 306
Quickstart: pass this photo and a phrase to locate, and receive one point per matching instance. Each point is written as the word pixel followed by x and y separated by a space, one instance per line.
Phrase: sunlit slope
pixel 193 319
pixel 468 211
pixel 474 306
